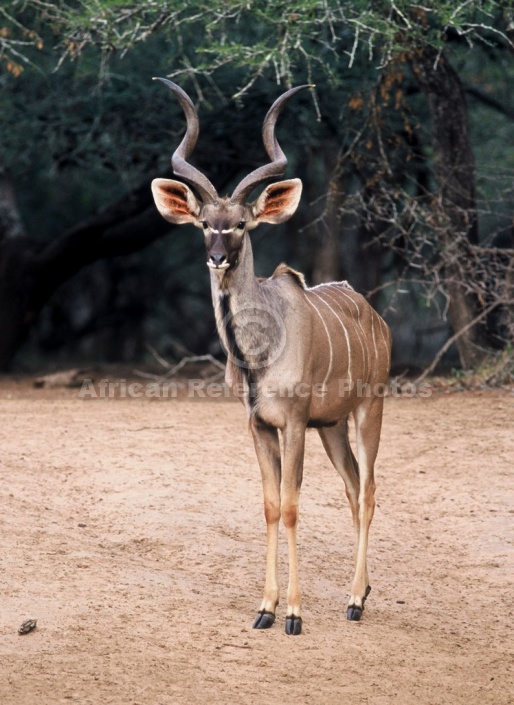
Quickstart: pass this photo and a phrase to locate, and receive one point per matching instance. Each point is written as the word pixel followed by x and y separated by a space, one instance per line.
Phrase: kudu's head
pixel 225 221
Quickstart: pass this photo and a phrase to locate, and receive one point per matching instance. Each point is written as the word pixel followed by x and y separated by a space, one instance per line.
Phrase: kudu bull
pixel 300 357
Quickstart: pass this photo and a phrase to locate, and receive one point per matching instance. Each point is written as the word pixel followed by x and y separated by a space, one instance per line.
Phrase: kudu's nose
pixel 217 259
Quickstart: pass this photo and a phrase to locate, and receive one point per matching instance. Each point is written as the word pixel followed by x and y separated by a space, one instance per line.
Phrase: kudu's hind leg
pixel 337 446
pixel 267 448
pixel 368 422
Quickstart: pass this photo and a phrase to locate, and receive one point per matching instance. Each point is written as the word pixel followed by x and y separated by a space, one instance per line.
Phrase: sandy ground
pixel 132 530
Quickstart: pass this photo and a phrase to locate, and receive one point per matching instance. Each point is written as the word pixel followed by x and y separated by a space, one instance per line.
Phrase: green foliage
pixel 264 35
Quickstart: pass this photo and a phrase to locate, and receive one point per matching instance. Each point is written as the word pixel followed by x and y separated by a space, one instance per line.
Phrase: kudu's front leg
pixel 294 448
pixel 267 448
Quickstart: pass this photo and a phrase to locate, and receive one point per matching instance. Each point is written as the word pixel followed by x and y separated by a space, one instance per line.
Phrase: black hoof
pixel 354 613
pixel 264 620
pixel 293 625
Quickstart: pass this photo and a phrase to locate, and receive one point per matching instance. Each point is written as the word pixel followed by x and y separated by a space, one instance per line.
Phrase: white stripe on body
pixel 345 333
pixel 381 324
pixel 373 335
pixel 331 359
pixel 362 339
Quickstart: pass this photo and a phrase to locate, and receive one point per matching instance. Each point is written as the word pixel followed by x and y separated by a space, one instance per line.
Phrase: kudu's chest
pixel 253 332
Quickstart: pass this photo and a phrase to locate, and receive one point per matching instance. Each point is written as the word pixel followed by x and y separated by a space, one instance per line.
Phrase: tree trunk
pixel 14 277
pixel 326 257
pixel 11 225
pixel 454 171
pixel 15 286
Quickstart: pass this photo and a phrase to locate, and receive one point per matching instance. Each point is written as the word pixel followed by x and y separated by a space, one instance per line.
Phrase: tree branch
pixel 127 226
pixel 454 338
pixel 489 101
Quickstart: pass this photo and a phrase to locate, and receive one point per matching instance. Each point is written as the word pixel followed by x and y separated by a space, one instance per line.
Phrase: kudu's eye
pixel 204 224
pixel 241 225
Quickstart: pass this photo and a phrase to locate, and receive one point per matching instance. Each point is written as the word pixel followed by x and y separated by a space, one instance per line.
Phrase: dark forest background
pixel 405 148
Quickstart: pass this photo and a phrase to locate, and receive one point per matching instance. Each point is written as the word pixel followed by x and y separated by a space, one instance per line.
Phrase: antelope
pixel 298 357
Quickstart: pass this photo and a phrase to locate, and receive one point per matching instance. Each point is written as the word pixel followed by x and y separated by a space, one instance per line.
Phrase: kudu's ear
pixel 176 202
pixel 277 202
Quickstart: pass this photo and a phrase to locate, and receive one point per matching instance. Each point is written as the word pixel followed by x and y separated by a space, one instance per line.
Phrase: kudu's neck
pixel 249 328
pixel 239 284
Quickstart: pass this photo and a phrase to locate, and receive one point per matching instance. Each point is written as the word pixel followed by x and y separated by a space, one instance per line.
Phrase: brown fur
pixel 284 271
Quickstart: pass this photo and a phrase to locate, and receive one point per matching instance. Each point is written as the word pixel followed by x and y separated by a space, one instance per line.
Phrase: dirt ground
pixel 132 530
